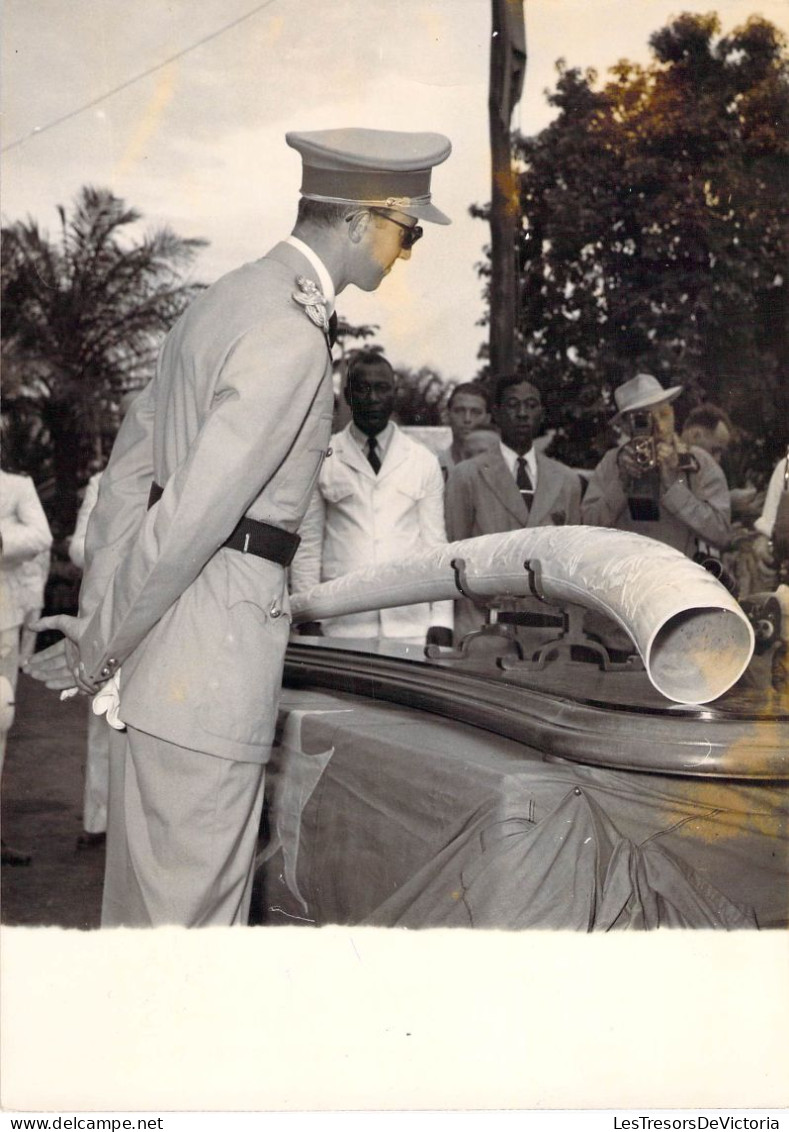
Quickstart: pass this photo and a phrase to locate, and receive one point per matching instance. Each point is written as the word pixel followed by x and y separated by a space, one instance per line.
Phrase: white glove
pixel 107 701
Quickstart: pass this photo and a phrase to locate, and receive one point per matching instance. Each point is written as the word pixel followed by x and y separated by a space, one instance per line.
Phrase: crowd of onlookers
pixel 382 493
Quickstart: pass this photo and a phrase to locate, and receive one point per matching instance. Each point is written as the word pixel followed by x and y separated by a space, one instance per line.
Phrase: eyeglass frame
pixel 411 232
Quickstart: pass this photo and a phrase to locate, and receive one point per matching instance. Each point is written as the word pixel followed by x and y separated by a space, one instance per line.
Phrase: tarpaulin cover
pixel 399 818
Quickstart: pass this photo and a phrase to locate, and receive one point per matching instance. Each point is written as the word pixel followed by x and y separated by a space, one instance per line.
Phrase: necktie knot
pixel 372 454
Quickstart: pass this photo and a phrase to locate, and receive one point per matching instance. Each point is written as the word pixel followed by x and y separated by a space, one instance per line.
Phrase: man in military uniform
pixel 184 591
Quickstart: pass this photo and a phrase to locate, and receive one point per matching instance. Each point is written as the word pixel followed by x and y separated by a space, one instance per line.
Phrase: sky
pixel 198 144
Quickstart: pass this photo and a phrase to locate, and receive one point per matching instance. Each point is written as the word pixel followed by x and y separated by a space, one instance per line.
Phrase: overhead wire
pixel 37 130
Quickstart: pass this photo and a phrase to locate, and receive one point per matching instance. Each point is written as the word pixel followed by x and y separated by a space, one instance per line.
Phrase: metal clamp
pixel 493 639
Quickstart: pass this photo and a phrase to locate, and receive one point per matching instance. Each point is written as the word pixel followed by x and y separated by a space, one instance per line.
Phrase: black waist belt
pixel 251 537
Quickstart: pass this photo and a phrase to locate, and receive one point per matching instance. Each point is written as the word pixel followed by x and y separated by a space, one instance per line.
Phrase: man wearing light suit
pixel 24 538
pixel 184 592
pixel 379 496
pixel 510 487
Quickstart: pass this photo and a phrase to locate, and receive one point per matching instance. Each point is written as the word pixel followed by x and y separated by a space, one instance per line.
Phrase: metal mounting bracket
pixel 492 640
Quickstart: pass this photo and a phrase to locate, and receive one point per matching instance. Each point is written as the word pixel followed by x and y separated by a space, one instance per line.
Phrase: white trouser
pixel 9 668
pixel 97 774
pixel 181 835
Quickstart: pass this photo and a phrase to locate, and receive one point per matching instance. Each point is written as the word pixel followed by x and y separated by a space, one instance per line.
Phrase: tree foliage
pixel 654 233
pixel 422 395
pixel 83 317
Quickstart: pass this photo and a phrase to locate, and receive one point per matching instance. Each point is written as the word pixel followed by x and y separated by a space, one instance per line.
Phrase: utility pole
pixel 507 71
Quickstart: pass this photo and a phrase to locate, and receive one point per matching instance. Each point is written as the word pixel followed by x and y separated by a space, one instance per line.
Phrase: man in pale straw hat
pixel 654 484
pixel 184 592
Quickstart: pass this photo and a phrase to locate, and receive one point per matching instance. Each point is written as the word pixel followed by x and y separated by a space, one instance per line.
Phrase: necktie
pixel 372 455
pixel 523 480
pixel 333 328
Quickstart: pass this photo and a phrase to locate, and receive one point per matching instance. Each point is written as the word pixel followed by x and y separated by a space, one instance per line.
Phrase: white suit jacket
pixel 357 518
pixel 26 536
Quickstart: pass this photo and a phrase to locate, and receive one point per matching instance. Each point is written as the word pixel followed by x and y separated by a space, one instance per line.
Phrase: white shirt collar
pixel 325 280
pixel 382 439
pixel 511 460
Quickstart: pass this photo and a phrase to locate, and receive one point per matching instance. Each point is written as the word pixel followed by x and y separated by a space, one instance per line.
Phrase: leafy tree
pixel 654 233
pixel 346 332
pixel 421 396
pixel 83 317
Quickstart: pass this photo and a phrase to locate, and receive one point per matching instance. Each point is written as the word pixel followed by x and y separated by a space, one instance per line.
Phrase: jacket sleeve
pixel 432 530
pixel 305 570
pixel 605 496
pixel 766 521
pixel 26 533
pixel 120 504
pixel 250 427
pixel 704 504
pixel 458 505
pixel 76 546
pixel 574 500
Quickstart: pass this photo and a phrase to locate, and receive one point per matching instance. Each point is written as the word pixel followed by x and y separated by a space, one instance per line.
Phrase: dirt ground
pixel 41 809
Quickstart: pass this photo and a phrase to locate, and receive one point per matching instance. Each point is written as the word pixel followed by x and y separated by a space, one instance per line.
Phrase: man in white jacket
pixel 379 496
pixel 24 536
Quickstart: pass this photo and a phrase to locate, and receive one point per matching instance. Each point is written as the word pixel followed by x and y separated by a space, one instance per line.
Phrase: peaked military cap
pixel 378 168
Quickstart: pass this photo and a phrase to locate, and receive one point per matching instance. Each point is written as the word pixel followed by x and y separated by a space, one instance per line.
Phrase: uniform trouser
pixel 97 774
pixel 181 835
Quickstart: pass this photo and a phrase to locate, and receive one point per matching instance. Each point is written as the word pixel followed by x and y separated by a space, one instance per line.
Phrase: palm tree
pixel 82 321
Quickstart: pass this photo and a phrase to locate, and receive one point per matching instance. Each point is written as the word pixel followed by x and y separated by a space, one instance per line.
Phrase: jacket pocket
pixel 244 673
pixel 336 491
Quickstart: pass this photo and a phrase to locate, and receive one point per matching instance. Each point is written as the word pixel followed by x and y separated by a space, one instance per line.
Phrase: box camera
pixel 642 445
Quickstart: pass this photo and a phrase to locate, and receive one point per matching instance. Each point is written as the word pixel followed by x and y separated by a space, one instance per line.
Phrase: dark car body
pixel 480 790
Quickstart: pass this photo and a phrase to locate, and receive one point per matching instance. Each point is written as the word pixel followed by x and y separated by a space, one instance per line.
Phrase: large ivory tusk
pixel 692 635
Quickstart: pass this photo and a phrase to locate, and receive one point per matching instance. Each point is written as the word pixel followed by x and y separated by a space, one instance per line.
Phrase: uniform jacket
pixel 482 498
pixel 26 538
pixel 357 518
pixel 692 511
pixel 236 422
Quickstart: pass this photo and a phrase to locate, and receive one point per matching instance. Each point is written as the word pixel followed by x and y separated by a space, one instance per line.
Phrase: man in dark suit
pixel 510 487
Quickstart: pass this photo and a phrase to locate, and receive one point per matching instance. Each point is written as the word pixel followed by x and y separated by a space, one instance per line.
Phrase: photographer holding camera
pixel 653 483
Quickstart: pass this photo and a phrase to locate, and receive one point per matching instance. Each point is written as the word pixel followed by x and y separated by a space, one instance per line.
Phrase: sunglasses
pixel 410 233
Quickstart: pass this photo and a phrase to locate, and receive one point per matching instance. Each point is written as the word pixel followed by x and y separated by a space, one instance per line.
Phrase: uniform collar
pixel 325 280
